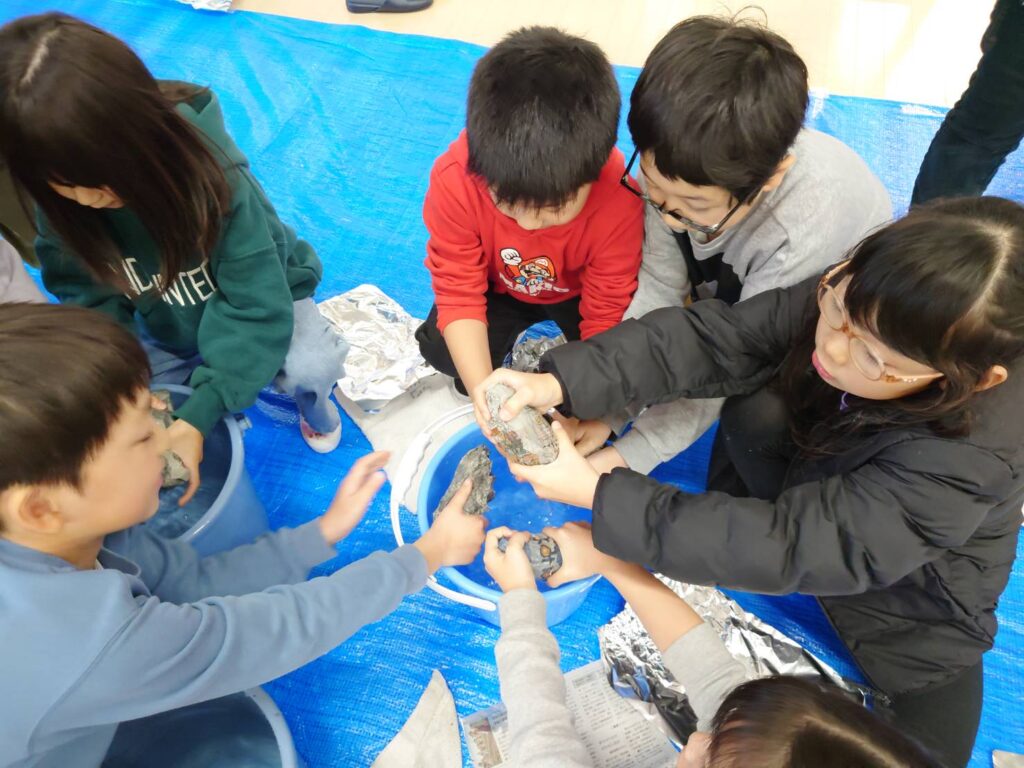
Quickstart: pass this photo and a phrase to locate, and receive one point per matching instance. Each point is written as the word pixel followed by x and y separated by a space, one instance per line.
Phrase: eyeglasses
pixel 704 229
pixel 864 358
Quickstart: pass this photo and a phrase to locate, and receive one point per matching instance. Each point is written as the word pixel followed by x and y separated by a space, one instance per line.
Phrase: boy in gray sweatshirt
pixel 741 198
pixel 101 621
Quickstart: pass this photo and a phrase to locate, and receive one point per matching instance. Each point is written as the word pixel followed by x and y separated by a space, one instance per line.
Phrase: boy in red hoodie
pixel 527 218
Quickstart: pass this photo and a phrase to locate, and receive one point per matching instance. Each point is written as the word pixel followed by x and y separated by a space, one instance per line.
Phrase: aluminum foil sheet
pixel 526 355
pixel 209 5
pixel 384 360
pixel 636 671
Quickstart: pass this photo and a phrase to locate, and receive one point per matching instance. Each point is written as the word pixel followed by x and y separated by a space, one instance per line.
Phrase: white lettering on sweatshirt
pixel 191 287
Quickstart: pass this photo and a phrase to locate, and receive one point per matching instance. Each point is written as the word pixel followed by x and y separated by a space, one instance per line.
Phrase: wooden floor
pixel 905 50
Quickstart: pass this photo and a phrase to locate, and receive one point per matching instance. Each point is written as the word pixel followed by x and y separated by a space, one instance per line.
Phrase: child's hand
pixel 590 435
pixel 187 441
pixel 541 390
pixel 454 537
pixel 569 479
pixel 354 495
pixel 607 459
pixel 580 558
pixel 511 568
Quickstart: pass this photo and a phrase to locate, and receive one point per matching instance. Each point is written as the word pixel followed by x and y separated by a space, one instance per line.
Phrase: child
pixel 874 419
pixel 781 722
pixel 102 621
pixel 741 198
pixel 526 216
pixel 148 212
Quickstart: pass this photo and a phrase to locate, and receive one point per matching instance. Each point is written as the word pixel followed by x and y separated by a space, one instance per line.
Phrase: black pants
pixel 987 122
pixel 751 457
pixel 506 319
pixel 944 718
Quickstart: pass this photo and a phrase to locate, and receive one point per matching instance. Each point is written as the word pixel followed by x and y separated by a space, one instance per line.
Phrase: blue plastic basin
pixel 243 729
pixel 515 505
pixel 225 512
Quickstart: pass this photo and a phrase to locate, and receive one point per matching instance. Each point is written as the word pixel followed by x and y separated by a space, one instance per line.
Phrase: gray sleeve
pixel 666 430
pixel 707 671
pixel 663 280
pixel 541 729
pixel 15 283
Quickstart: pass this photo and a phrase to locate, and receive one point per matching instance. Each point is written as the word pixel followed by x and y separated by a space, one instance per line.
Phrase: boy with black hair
pixel 741 198
pixel 526 216
pixel 102 621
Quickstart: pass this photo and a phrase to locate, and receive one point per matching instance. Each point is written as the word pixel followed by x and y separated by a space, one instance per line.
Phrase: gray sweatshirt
pixel 541 730
pixel 156 628
pixel 827 202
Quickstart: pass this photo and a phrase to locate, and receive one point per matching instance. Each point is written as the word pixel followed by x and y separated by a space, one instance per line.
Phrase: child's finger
pixel 496 533
pixel 363 468
pixel 518 540
pixel 519 400
pixel 560 535
pixel 557 579
pixel 193 486
pixel 461 495
pixel 364 495
pixel 565 442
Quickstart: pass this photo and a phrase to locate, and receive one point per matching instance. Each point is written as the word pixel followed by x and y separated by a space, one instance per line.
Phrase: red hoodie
pixel 473 247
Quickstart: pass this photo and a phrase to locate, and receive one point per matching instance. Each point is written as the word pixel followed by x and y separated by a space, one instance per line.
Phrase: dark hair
pixel 943 286
pixel 79 108
pixel 65 375
pixel 786 722
pixel 719 102
pixel 542 116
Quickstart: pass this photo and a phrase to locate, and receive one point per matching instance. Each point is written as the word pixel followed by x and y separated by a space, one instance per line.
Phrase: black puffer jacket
pixel 908 537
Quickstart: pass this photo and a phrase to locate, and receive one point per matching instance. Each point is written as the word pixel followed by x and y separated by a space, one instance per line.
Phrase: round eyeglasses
pixel 864 358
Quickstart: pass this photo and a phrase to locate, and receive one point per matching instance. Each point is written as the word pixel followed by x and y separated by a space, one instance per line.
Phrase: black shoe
pixel 387 6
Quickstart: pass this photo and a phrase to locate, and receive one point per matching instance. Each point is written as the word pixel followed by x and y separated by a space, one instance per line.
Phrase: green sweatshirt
pixel 234 309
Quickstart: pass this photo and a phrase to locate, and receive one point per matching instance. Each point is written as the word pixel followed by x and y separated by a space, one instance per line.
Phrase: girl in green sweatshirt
pixel 148 211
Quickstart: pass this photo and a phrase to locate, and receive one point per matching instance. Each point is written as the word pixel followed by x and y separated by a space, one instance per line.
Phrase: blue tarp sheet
pixel 341 125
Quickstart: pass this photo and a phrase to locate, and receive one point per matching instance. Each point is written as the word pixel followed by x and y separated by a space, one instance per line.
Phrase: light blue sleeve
pixel 166 655
pixel 173 571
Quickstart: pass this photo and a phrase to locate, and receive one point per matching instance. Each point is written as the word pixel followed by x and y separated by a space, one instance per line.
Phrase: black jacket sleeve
pixel 709 349
pixel 844 534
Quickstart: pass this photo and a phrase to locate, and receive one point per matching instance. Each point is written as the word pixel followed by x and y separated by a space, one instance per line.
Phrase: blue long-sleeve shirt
pixel 158 628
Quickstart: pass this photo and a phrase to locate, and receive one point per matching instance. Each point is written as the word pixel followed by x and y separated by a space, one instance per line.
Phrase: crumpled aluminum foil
pixel 636 670
pixel 384 360
pixel 209 5
pixel 526 355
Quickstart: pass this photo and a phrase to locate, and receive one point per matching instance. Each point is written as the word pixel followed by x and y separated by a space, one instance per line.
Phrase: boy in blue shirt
pixel 102 621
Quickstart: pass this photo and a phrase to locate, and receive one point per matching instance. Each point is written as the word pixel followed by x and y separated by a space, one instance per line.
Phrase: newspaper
pixel 615 734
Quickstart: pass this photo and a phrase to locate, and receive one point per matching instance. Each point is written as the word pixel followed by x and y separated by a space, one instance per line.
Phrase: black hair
pixel 943 286
pixel 79 108
pixel 786 722
pixel 542 116
pixel 66 373
pixel 719 103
